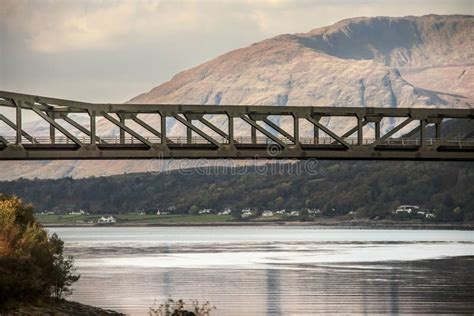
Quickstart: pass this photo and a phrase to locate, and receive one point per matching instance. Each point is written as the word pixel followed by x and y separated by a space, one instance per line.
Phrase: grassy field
pixel 134 218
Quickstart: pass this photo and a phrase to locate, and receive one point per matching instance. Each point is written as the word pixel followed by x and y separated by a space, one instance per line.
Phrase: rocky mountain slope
pixel 375 62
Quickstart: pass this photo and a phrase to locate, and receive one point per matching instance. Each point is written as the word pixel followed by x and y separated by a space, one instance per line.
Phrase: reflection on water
pixel 275 270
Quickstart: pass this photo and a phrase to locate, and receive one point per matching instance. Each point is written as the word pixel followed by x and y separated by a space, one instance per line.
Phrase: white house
pixel 227 211
pixel 313 211
pixel 205 211
pixel 281 212
pixel 162 213
pixel 430 215
pixel 407 209
pixel 295 213
pixel 80 212
pixel 267 214
pixel 108 219
pixel 246 213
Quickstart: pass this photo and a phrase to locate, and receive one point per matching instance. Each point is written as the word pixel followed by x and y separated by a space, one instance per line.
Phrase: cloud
pixel 105 50
pixel 52 26
pixel 57 26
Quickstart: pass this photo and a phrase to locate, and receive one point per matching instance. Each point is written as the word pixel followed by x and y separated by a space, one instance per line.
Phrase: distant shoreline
pixel 322 224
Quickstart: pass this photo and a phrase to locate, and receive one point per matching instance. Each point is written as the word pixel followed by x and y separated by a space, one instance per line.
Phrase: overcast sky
pixel 110 51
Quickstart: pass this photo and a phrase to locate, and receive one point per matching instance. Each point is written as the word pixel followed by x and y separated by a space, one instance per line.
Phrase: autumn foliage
pixel 32 265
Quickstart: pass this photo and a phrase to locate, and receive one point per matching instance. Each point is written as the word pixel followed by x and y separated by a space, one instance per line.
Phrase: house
pixel 407 209
pixel 246 213
pixel 267 214
pixel 162 213
pixel 295 213
pixel 313 211
pixel 227 211
pixel 281 212
pixel 205 211
pixel 80 212
pixel 430 215
pixel 108 219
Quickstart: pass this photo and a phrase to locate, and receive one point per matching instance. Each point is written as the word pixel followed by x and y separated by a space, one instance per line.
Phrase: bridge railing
pixel 183 140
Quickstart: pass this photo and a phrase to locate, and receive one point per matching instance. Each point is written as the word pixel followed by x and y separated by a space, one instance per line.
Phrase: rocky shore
pixel 60 308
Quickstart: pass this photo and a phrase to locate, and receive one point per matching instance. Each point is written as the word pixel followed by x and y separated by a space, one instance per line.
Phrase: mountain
pixel 409 61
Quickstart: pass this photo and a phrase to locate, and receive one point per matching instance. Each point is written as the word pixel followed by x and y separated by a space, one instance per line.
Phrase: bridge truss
pixel 70 139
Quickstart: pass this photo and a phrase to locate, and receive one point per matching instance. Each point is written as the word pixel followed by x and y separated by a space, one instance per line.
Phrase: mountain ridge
pixel 298 69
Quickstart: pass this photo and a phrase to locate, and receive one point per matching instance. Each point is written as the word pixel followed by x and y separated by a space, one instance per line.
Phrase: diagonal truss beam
pixel 394 130
pixel 80 127
pixel 149 128
pixel 3 141
pixel 13 126
pixel 328 131
pixel 196 130
pixel 213 127
pixel 56 125
pixel 412 132
pixel 279 129
pixel 353 130
pixel 126 129
pixel 262 130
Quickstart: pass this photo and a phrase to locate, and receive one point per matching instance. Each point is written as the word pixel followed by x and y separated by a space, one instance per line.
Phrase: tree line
pixel 366 188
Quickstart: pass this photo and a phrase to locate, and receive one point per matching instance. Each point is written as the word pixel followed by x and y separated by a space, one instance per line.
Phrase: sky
pixel 113 50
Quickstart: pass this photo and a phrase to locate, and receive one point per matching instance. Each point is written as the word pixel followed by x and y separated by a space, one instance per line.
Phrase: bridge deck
pixel 268 139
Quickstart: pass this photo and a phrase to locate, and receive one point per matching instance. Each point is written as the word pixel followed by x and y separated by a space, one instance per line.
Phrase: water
pixel 274 270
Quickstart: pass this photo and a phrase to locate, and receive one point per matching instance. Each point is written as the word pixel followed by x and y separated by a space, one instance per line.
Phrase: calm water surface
pixel 274 270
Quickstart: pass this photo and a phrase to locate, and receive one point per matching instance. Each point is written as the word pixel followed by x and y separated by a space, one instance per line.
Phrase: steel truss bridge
pixel 276 143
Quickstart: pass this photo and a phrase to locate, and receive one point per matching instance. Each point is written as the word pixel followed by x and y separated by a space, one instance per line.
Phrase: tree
pixel 194 209
pixel 32 264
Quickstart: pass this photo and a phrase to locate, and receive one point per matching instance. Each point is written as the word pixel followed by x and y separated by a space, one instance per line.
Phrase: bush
pixel 178 308
pixel 32 264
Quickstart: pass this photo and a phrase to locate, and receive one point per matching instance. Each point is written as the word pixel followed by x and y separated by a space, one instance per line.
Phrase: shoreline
pixel 51 306
pixel 321 224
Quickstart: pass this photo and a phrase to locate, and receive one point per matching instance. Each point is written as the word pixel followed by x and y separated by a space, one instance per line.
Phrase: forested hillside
pixel 336 188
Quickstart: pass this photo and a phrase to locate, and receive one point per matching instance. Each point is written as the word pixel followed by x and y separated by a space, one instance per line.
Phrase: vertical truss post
pixel 163 128
pixel 422 132
pixel 18 122
pixel 52 130
pixel 92 128
pixel 377 130
pixel 296 130
pixel 316 130
pixel 253 133
pixel 121 130
pixel 438 130
pixel 230 131
pixel 189 132
pixel 360 126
